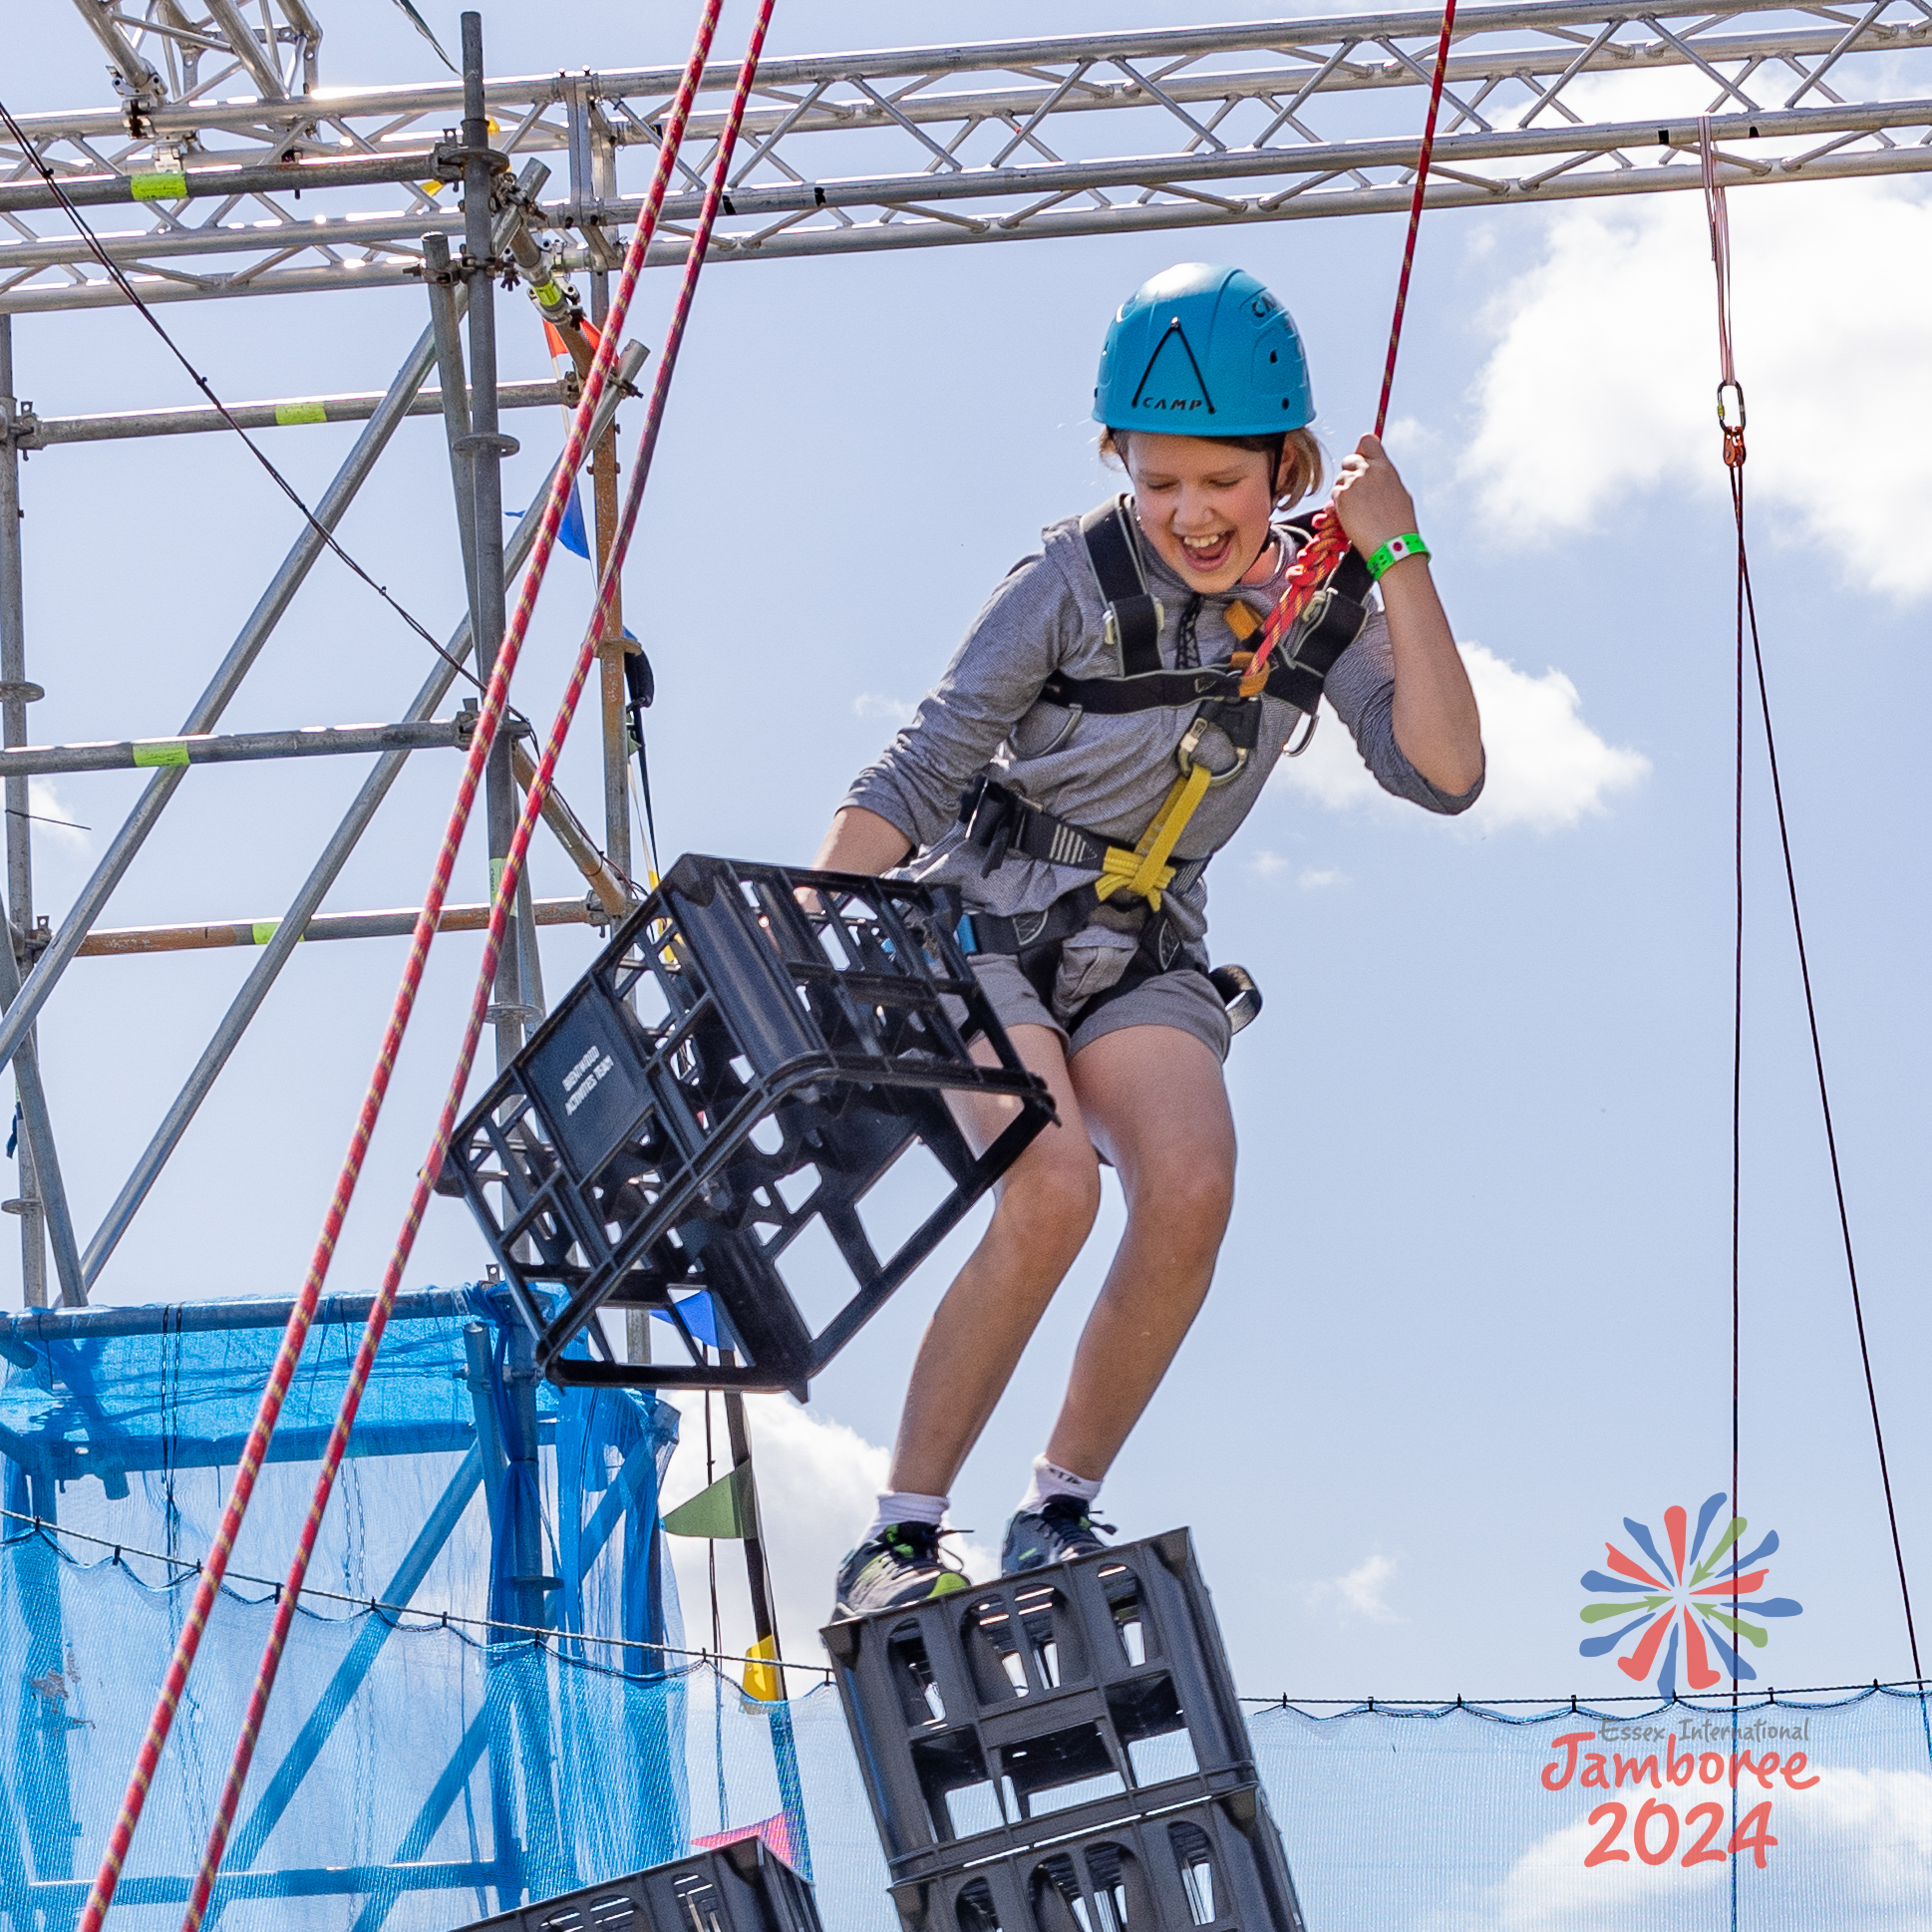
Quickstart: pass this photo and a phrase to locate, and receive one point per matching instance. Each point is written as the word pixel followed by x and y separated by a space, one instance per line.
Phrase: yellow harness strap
pixel 1144 871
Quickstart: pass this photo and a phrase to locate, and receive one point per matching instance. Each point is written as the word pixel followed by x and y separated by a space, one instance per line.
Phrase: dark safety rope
pixel 1730 398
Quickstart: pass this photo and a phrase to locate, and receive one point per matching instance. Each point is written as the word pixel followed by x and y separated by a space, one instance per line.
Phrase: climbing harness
pixel 1001 822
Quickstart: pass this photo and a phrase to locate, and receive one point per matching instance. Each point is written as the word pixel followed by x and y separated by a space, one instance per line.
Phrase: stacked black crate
pixel 740 1887
pixel 1064 1752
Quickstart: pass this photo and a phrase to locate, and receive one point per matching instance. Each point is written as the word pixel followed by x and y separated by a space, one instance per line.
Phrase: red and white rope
pixel 1326 546
pixel 295 1336
pixel 502 900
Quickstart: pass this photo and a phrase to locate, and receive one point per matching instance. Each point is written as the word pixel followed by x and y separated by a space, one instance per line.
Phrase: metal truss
pixel 999 142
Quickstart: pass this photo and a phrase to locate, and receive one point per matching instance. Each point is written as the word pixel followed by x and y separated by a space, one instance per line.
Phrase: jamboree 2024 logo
pixel 1677 1611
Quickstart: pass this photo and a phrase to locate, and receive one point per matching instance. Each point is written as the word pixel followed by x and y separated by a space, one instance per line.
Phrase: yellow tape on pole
pixel 263 930
pixel 290 414
pixel 161 750
pixel 162 185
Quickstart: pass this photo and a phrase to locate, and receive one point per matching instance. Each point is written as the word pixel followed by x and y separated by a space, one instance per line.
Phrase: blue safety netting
pixel 455 1658
pixel 426 1768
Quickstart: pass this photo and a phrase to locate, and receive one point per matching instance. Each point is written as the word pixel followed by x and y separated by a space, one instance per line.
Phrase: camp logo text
pixel 1685 1603
pixel 1659 1834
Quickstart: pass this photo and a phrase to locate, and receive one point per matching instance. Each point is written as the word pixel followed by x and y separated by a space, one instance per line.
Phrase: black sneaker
pixel 902 1564
pixel 1059 1529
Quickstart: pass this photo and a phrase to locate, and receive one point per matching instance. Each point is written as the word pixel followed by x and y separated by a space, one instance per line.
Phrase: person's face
pixel 1204 506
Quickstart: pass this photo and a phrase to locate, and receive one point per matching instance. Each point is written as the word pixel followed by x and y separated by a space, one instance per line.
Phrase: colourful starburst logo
pixel 1689 1601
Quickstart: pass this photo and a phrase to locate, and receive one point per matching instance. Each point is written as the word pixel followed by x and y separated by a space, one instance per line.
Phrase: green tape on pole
pixel 264 930
pixel 497 876
pixel 290 414
pixel 161 750
pixel 160 186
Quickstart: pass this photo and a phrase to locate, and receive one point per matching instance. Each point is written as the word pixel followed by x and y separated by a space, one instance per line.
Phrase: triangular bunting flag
pixel 776 1831
pixel 727 1509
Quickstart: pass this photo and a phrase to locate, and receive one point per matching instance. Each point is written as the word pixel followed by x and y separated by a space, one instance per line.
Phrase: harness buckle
pixel 1191 744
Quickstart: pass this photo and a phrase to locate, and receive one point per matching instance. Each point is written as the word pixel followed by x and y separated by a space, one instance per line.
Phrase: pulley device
pixel 753 1053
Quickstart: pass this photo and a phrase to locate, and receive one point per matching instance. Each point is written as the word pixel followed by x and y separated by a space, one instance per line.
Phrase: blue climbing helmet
pixel 1201 351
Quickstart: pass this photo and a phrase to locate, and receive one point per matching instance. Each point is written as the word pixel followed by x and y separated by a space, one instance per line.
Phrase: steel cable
pixel 295 1336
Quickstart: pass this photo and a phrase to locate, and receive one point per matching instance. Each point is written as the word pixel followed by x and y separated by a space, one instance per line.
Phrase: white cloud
pixel 873 704
pixel 1603 378
pixel 55 818
pixel 1357 1595
pixel 1548 767
pixel 1315 878
pixel 818 1481
pixel 1268 864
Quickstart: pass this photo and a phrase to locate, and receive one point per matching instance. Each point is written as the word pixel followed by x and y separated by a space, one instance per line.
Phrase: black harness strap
pixel 1333 624
pixel 1001 823
pixel 1132 616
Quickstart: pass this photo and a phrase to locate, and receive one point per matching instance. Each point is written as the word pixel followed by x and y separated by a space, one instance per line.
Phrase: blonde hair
pixel 1297 458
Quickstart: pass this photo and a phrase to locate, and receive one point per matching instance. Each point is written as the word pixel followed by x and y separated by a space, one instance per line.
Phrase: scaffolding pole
pixel 293 411
pixel 256 633
pixel 322 875
pixel 485 447
pixel 237 748
pixel 42 1201
pixel 398 923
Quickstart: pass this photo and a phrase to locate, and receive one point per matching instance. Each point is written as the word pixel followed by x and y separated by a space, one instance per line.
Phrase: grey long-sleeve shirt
pixel 1110 773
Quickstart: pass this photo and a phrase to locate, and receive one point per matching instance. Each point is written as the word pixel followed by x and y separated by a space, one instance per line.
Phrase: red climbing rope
pixel 1326 546
pixel 502 900
pixel 296 1335
pixel 1730 395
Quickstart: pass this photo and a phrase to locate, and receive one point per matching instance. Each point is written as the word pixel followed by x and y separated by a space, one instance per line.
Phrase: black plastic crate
pixel 734 1068
pixel 1215 1865
pixel 1043 1703
pixel 740 1887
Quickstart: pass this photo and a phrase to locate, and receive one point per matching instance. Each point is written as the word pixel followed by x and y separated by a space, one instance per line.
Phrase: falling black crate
pixel 1215 1865
pixel 736 1067
pixel 993 1718
pixel 740 1887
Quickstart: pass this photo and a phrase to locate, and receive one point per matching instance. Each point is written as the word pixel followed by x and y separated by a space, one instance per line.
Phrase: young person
pixel 1092 720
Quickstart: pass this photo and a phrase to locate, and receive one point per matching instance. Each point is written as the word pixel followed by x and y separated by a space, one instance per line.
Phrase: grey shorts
pixel 1181 998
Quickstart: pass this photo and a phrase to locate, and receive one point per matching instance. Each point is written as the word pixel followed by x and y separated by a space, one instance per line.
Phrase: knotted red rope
pixel 1328 545
pixel 295 1336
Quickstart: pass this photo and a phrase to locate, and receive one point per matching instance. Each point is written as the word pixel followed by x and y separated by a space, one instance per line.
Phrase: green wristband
pixel 1395 550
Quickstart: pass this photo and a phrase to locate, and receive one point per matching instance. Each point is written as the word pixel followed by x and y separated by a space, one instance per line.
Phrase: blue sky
pixel 1474 1306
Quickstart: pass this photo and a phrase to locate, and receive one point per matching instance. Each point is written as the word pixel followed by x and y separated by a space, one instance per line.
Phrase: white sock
pixel 1050 1480
pixel 905 1507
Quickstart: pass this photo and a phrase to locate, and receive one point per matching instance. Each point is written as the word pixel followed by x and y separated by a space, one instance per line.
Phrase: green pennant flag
pixel 729 1508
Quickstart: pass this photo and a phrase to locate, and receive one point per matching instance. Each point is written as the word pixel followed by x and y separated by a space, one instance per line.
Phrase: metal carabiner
pixel 1191 744
pixel 1060 737
pixel 1294 748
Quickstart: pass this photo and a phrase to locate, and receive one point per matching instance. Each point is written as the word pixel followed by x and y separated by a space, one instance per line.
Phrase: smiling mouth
pixel 1207 552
